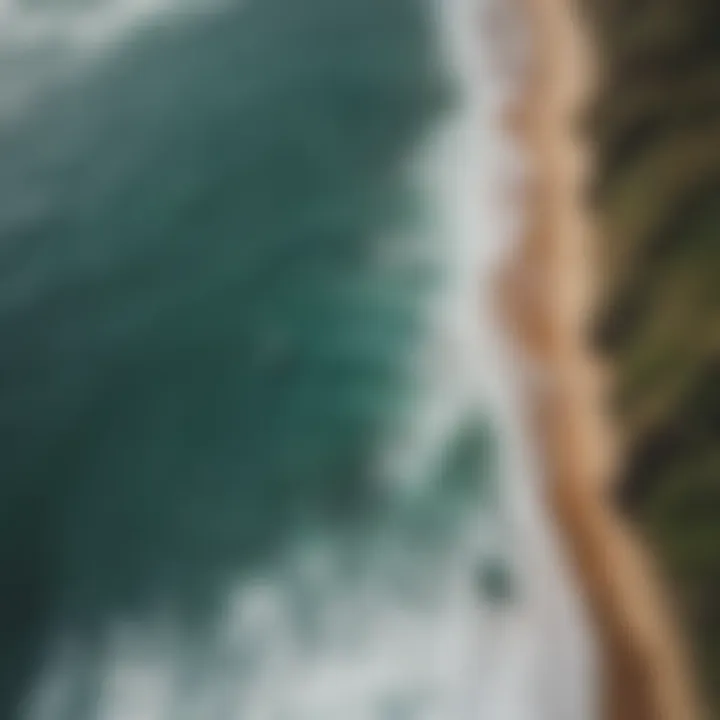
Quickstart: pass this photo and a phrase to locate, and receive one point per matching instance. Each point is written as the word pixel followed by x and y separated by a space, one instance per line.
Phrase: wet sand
pixel 546 298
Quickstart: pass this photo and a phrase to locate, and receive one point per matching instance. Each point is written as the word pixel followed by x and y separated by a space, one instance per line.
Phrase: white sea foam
pixel 555 668
pixel 406 635
pixel 81 25
pixel 44 44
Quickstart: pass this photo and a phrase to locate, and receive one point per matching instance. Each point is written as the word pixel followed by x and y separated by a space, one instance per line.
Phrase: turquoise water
pixel 223 492
pixel 201 342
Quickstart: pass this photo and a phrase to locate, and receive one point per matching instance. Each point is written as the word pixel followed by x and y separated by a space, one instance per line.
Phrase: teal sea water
pixel 229 485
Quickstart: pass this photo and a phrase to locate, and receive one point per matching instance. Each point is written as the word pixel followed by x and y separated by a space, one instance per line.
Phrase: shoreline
pixel 546 303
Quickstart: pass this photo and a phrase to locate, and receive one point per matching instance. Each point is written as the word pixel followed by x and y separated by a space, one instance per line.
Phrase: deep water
pixel 245 467
pixel 202 341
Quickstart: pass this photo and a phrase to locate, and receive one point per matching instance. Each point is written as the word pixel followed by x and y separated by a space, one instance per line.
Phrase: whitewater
pixel 449 605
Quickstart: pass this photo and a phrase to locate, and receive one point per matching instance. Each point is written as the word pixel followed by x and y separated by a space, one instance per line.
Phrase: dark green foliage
pixel 657 124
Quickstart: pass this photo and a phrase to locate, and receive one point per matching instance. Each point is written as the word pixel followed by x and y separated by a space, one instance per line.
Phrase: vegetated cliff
pixel 657 126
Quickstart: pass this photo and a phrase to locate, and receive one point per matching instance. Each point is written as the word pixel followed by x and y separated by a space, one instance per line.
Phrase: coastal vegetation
pixel 656 125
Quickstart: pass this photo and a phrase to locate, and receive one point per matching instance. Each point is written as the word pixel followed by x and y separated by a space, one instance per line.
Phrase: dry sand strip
pixel 546 298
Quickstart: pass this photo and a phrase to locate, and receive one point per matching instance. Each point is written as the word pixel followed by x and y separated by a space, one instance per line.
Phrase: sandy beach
pixel 547 301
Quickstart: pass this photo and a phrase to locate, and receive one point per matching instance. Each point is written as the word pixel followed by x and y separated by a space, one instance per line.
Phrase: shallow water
pixel 259 449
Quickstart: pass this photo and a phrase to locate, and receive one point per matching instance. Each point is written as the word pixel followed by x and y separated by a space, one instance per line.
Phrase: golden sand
pixel 547 300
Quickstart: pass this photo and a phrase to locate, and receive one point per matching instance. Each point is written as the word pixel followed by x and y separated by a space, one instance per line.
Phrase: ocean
pixel 261 455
